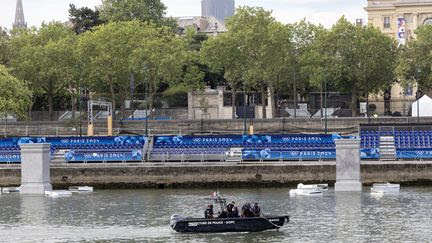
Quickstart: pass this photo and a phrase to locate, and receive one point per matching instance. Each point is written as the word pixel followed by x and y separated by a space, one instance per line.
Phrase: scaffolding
pixel 91 118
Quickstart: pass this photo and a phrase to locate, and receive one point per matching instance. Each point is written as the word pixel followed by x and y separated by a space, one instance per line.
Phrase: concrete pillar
pixel 348 165
pixel 35 168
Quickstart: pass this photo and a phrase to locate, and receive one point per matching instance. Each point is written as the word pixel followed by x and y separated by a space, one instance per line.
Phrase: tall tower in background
pixel 19 16
pixel 220 9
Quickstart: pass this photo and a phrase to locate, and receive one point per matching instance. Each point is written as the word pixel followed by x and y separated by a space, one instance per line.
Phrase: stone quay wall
pixel 221 174
pixel 228 126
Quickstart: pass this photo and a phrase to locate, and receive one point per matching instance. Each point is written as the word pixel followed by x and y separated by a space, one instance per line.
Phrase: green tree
pixel 415 60
pixel 223 54
pixel 105 54
pixel 255 53
pixel 37 59
pixel 355 60
pixel 4 47
pixel 304 35
pixel 84 19
pixel 143 10
pixel 15 96
pixel 161 59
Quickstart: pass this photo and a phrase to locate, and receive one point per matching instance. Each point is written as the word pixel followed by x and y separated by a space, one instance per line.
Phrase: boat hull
pixel 217 225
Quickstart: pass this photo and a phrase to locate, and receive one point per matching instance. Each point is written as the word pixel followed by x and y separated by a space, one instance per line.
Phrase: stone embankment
pixel 280 125
pixel 185 175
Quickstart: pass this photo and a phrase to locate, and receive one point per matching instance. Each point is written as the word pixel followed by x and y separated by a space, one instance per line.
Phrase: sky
pixel 325 12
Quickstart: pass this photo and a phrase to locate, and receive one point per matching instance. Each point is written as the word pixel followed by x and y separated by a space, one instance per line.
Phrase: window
pixel 386 22
pixel 428 22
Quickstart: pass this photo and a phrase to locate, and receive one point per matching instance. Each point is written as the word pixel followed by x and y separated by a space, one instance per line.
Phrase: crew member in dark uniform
pixel 256 210
pixel 229 210
pixel 235 212
pixel 208 213
pixel 246 211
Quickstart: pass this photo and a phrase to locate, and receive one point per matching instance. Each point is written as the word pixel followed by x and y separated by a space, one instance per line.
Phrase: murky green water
pixel 143 215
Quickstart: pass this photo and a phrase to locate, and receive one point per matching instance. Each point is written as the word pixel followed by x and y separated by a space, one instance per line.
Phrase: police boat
pixel 220 225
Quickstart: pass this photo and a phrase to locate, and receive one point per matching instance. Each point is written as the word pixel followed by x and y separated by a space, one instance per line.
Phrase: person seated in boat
pixel 256 210
pixel 235 212
pixel 223 214
pixel 232 210
pixel 247 211
pixel 208 213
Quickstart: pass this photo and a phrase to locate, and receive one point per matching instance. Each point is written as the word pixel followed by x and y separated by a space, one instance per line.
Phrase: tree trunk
pixel 272 101
pixel 263 101
pixel 73 101
pixel 354 101
pixel 112 96
pixel 234 107
pixel 123 107
pixel 50 101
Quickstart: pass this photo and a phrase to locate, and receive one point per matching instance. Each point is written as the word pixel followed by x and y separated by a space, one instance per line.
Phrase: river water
pixel 143 216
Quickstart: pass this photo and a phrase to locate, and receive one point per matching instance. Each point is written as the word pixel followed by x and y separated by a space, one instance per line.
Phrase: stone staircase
pixel 387 148
pixel 58 157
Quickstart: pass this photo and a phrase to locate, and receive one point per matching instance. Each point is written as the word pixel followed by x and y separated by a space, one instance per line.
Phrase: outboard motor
pixel 176 218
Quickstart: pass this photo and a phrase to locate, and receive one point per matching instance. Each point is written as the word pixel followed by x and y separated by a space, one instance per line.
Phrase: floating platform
pixel 10 189
pixel 308 190
pixel 386 188
pixel 58 193
pixel 81 188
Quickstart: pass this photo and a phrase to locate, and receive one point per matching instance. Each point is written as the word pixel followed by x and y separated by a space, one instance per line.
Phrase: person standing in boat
pixel 256 210
pixel 208 213
pixel 246 210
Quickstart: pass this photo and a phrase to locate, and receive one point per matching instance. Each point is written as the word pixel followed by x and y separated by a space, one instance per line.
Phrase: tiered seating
pixel 413 139
pixel 403 139
pixel 289 147
pixel 82 149
pixel 178 148
pixel 369 139
pixel 10 154
pixel 411 142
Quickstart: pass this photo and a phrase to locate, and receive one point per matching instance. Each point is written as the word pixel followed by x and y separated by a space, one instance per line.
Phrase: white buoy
pixel 81 189
pixel 58 193
pixel 385 188
pixel 10 189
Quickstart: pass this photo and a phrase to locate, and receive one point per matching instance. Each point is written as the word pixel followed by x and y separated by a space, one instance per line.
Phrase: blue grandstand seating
pixel 408 141
pixel 269 146
pixel 80 149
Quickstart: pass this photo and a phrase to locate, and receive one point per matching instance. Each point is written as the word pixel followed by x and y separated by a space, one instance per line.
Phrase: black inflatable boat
pixel 217 225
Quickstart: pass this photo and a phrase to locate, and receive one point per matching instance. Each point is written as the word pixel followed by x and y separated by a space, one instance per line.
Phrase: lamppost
pixel 325 102
pixel 417 73
pixel 295 94
pixel 244 109
pixel 146 100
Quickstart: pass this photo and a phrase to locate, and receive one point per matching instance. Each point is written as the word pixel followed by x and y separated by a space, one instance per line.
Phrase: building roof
pixel 202 24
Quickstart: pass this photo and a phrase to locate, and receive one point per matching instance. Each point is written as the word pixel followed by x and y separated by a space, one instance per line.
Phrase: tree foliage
pixel 4 47
pixel 354 60
pixel 415 60
pixel 255 53
pixel 113 51
pixel 143 10
pixel 84 19
pixel 15 96
pixel 41 60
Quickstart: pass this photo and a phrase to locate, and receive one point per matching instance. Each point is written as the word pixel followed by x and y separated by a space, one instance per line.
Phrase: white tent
pixel 425 107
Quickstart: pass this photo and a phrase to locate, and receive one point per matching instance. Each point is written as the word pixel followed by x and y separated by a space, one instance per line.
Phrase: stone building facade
pixel 399 19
